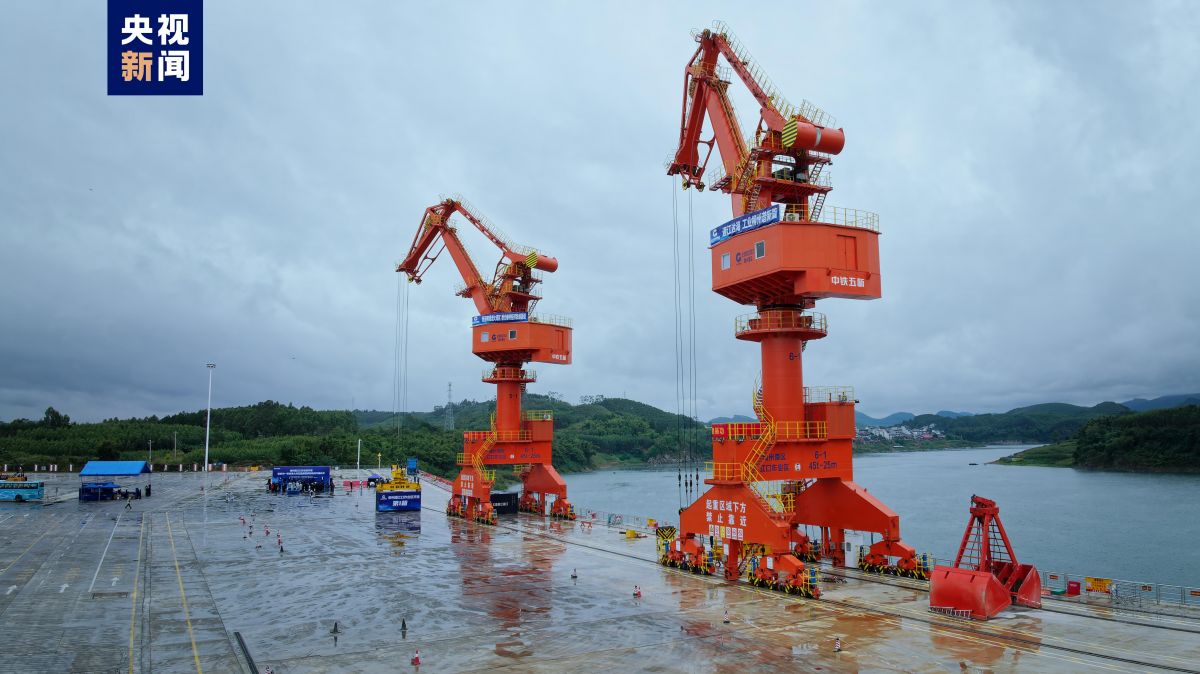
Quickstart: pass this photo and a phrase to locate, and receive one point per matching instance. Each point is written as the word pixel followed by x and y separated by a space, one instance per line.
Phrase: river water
pixel 1132 526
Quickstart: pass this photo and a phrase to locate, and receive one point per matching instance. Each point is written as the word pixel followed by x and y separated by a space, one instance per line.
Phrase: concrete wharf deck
pixel 164 586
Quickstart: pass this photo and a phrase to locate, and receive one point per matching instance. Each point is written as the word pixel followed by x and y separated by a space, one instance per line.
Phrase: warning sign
pixel 1098 585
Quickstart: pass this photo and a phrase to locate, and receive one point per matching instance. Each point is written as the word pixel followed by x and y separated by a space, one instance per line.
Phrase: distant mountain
pixel 954 415
pixel 1047 422
pixel 735 419
pixel 1066 409
pixel 1142 405
pixel 861 419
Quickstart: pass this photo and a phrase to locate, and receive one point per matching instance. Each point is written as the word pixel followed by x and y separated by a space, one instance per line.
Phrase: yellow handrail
pixel 537 415
pixel 723 471
pixel 783 430
pixel 801 430
pixel 497 436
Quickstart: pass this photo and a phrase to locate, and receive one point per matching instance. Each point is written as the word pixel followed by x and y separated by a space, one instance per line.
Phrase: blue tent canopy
pixel 114 468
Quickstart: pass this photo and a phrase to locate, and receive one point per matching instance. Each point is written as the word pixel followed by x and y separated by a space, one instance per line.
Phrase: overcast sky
pixel 1034 166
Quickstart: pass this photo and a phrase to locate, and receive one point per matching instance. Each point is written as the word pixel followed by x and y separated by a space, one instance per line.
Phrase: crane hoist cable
pixel 404 357
pixel 396 360
pixel 693 433
pixel 678 344
pixel 400 359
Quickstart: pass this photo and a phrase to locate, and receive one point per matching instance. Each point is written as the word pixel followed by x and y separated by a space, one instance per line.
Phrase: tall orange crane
pixel 783 250
pixel 507 335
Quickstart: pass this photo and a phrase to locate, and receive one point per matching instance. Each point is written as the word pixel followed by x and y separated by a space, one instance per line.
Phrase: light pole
pixel 208 419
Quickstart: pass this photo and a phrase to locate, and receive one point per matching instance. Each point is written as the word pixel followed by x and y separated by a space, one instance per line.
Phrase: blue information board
pixel 767 216
pixel 507 317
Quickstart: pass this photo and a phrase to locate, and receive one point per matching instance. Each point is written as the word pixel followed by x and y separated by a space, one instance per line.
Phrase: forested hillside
pixel 1166 440
pixel 272 433
pixel 1158 440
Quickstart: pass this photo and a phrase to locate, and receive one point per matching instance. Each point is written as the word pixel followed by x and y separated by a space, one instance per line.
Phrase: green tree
pixel 55 419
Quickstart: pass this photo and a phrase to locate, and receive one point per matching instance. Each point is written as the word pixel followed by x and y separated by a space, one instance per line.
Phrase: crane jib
pixel 761 218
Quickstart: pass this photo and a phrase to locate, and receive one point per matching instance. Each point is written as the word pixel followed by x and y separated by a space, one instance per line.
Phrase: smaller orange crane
pixel 508 335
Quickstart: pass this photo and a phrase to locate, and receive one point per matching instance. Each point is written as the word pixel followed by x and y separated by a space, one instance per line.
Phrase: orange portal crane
pixel 507 335
pixel 782 252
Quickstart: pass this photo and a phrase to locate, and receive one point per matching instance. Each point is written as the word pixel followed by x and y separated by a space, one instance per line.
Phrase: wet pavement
pixel 165 585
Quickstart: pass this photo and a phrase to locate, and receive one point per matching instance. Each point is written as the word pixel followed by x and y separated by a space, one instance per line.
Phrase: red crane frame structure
pixel 784 250
pixel 507 335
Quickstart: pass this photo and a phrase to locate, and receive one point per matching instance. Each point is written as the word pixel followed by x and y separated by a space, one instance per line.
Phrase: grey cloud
pixel 1032 165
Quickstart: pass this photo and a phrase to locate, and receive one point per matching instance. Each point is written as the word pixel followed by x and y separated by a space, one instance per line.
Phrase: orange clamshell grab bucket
pixel 981 592
pixel 976 591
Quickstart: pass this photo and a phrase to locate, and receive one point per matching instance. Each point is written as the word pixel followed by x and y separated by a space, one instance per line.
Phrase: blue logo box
pixel 155 47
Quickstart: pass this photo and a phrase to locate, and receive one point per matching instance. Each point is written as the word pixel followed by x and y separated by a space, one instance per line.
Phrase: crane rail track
pixel 1029 644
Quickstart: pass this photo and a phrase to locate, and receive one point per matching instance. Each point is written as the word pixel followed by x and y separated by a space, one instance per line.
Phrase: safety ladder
pixel 814 211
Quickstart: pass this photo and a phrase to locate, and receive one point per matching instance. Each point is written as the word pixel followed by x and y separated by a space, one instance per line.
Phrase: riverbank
pixel 1057 455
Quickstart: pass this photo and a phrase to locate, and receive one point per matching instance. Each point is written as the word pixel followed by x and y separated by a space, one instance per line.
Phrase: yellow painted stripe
pixel 790 131
pixel 531 260
pixel 183 596
pixel 35 542
pixel 137 575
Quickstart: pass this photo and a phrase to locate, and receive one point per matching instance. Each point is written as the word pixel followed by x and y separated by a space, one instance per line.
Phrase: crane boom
pixel 786 134
pixel 509 289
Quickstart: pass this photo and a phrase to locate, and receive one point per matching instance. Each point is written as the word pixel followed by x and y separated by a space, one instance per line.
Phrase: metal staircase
pixel 768 493
pixel 814 210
